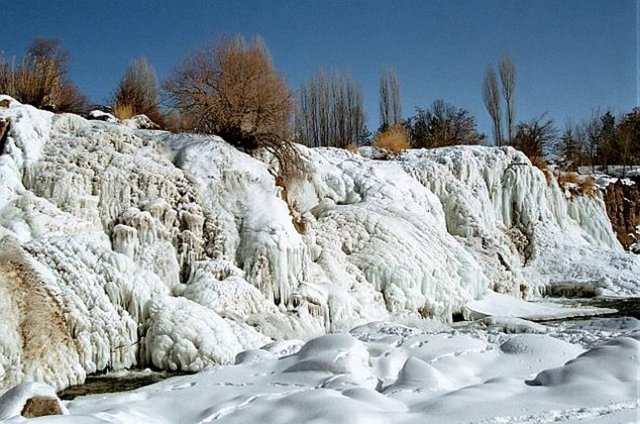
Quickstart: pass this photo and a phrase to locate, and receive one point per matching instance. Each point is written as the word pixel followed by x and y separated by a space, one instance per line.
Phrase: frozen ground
pixel 497 370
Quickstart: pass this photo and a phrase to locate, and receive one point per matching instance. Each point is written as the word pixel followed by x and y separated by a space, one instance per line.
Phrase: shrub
pixel 352 147
pixel 539 162
pixel 443 124
pixel 535 137
pixel 124 111
pixel 137 93
pixel 394 139
pixel 230 88
pixel 577 184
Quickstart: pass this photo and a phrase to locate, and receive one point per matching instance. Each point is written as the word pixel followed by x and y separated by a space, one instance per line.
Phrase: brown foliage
pixel 508 80
pixel 352 147
pixel 534 137
pixel 5 124
pixel 539 162
pixel 41 406
pixel 137 93
pixel 389 101
pixel 542 165
pixel 491 98
pixel 443 124
pixel 577 184
pixel 176 122
pixel 298 219
pixel 394 139
pixel 230 88
pixel 41 79
pixel 124 111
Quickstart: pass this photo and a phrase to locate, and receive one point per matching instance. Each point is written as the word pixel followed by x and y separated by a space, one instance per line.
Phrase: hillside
pixel 132 248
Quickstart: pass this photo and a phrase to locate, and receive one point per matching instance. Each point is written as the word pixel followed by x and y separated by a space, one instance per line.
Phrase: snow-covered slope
pixel 126 247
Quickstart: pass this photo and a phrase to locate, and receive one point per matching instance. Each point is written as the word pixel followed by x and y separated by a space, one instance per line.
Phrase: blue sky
pixel 572 56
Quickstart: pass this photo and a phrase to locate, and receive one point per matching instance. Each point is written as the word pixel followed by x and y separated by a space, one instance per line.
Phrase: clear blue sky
pixel 571 55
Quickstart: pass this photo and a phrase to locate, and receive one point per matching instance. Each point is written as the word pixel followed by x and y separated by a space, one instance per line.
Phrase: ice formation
pixel 140 247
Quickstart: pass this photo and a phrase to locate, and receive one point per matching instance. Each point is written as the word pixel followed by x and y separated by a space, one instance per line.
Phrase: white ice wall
pixel 178 250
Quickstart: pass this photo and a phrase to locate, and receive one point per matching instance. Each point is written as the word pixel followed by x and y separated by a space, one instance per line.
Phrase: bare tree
pixel 390 106
pixel 491 97
pixel 443 124
pixel 50 49
pixel 508 80
pixel 570 149
pixel 535 137
pixel 591 137
pixel 630 138
pixel 230 88
pixel 42 78
pixel 330 111
pixel 138 91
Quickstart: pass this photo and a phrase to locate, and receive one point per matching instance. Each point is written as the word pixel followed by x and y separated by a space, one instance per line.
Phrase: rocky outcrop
pixel 623 207
pixel 4 129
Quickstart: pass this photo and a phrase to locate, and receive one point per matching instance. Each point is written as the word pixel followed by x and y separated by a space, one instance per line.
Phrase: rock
pixel 4 103
pixel 99 115
pixel 30 400
pixel 40 406
pixel 623 207
pixel 5 123
pixel 141 122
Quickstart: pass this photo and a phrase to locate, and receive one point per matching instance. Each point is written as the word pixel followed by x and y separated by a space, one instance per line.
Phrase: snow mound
pixel 186 336
pixel 611 364
pixel 13 401
pixel 449 377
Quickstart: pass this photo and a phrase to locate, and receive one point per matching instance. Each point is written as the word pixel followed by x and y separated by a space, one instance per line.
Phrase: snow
pixel 13 401
pixel 388 373
pixel 521 229
pixel 129 248
pixel 495 304
pixel 617 171
pixel 103 116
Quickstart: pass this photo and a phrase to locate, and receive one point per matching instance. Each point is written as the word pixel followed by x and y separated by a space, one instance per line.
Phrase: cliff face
pixel 623 208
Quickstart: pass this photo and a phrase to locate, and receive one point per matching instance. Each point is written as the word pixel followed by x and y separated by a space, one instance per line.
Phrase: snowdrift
pixel 389 373
pixel 122 247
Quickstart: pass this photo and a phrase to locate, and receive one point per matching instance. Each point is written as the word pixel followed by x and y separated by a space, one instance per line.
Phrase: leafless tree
pixel 330 111
pixel 42 78
pixel 138 91
pixel 508 81
pixel 50 49
pixel 591 137
pixel 390 106
pixel 630 138
pixel 535 137
pixel 231 88
pixel 441 125
pixel 491 97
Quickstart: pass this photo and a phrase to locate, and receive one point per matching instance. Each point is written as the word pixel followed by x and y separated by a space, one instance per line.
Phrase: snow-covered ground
pixel 122 248
pixel 501 370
